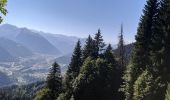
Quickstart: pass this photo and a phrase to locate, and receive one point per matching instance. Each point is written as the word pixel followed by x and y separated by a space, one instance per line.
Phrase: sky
pixel 77 17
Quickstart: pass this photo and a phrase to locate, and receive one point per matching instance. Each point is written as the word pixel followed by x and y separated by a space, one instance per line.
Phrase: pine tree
pixel 83 86
pixel 141 54
pixel 114 74
pixel 161 41
pixel 109 56
pixel 99 44
pixel 73 70
pixel 89 48
pixel 160 51
pixel 76 61
pixel 121 50
pixel 122 61
pixel 97 79
pixel 54 81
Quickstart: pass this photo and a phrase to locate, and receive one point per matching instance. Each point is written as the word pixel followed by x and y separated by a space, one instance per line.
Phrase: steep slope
pixel 15 49
pixel 40 42
pixel 5 55
pixel 68 42
pixel 36 42
pixel 64 59
pixel 9 31
pixel 4 79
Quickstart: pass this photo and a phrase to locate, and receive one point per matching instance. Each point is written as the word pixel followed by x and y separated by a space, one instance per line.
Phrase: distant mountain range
pixel 15 49
pixel 31 42
pixel 26 55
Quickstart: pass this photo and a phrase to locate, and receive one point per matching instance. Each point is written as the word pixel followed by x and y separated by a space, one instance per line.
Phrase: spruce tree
pixel 160 51
pixel 109 56
pixel 99 44
pixel 140 59
pixel 83 86
pixel 121 50
pixel 89 48
pixel 94 82
pixel 54 81
pixel 76 61
pixel 113 75
pixel 73 70
pixel 161 42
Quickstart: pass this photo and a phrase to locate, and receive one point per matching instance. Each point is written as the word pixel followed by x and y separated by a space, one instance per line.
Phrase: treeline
pixel 24 92
pixel 93 74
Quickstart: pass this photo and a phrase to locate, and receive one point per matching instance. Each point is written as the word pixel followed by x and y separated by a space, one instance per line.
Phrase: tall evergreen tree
pixel 99 44
pixel 121 49
pixel 89 48
pixel 161 41
pixel 109 56
pixel 160 51
pixel 76 61
pixel 94 82
pixel 114 73
pixel 54 81
pixel 140 58
pixel 83 84
pixel 73 70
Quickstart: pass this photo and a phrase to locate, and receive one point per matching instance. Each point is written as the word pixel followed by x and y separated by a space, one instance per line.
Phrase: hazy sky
pixel 77 17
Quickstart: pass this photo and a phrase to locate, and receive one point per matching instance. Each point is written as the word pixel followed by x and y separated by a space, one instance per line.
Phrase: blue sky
pixel 77 17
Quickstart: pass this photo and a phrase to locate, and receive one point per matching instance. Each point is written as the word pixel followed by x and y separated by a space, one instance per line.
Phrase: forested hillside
pixel 95 74
pixel 96 71
pixel 24 92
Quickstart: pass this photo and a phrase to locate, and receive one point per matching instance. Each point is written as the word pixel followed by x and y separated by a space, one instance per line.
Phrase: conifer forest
pixel 99 71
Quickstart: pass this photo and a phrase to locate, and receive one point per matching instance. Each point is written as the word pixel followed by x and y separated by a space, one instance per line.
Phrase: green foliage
pixel 121 50
pixel 160 51
pixel 3 10
pixel 161 42
pixel 143 86
pixel 140 60
pixel 109 56
pixel 99 43
pixel 43 94
pixel 82 87
pixel 72 72
pixel 96 80
pixel 127 86
pixel 63 96
pixel 167 97
pixel 25 92
pixel 76 62
pixel 54 81
pixel 53 86
pixel 89 48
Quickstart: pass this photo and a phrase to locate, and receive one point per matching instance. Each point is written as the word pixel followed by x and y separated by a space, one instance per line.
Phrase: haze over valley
pixel 26 55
